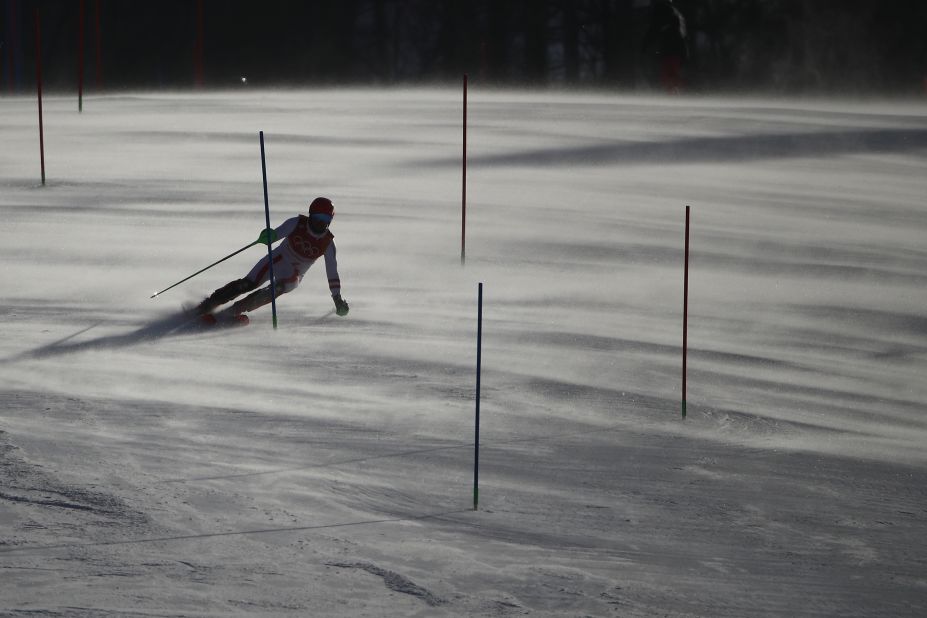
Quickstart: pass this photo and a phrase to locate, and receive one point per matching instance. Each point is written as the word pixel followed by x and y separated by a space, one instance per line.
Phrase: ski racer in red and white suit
pixel 305 239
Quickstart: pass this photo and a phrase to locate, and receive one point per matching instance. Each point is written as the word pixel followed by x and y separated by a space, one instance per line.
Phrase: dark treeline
pixel 773 45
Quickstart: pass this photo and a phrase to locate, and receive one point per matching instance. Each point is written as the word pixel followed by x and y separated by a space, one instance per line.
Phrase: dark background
pixel 788 46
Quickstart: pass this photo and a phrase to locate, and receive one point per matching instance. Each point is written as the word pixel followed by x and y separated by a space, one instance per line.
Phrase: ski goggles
pixel 321 218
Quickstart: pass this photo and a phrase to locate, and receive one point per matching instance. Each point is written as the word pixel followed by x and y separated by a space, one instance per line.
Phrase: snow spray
pixel 685 315
pixel 476 439
pixel 270 257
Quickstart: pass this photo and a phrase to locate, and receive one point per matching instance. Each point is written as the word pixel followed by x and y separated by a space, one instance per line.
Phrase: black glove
pixel 341 307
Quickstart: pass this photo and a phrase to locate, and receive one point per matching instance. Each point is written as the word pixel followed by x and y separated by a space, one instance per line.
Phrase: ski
pixel 219 320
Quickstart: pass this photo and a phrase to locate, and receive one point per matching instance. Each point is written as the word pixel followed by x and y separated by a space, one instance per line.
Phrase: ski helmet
pixel 322 206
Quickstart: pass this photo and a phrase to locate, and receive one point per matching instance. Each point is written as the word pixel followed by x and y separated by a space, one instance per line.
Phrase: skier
pixel 305 239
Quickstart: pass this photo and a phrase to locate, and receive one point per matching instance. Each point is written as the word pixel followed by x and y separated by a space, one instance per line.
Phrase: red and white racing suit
pixel 300 248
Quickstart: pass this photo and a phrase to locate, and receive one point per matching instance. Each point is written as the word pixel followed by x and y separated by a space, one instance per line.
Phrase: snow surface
pixel 325 469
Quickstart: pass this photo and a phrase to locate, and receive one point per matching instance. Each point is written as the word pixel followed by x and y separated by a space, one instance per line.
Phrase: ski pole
pixel 205 269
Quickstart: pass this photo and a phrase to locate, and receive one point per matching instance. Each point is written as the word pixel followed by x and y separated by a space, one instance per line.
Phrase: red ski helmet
pixel 322 206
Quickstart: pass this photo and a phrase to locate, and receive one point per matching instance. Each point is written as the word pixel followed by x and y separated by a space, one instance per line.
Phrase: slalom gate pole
pixel 80 59
pixel 479 362
pixel 198 47
pixel 270 257
pixel 204 269
pixel 38 79
pixel 463 192
pixel 685 316
pixel 99 46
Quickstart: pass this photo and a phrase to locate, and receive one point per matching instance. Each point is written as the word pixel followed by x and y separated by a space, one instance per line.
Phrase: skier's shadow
pixel 169 326
pixel 172 325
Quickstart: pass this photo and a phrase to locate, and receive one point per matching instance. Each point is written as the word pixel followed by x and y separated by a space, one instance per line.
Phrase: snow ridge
pixel 394 581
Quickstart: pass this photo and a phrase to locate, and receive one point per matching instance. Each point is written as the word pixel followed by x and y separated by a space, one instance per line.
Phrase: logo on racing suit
pixel 305 244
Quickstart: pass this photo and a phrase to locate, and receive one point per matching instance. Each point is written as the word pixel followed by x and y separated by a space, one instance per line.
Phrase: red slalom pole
pixel 38 79
pixel 198 47
pixel 685 317
pixel 463 192
pixel 99 46
pixel 80 58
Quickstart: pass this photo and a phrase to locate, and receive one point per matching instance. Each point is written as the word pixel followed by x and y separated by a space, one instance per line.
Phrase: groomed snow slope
pixel 326 468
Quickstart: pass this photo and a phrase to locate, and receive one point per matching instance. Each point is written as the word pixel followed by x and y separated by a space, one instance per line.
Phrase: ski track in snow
pixel 153 470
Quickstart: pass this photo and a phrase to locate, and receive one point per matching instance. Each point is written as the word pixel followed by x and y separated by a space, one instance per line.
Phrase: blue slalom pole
pixel 270 257
pixel 685 317
pixel 479 362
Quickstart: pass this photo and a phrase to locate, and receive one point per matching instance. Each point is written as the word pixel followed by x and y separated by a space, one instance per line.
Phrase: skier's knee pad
pixel 287 285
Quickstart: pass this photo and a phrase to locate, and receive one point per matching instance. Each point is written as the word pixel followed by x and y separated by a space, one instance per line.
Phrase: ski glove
pixel 267 236
pixel 341 307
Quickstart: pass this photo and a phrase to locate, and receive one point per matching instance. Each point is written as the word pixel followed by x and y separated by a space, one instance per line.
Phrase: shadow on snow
pixel 710 149
pixel 172 325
